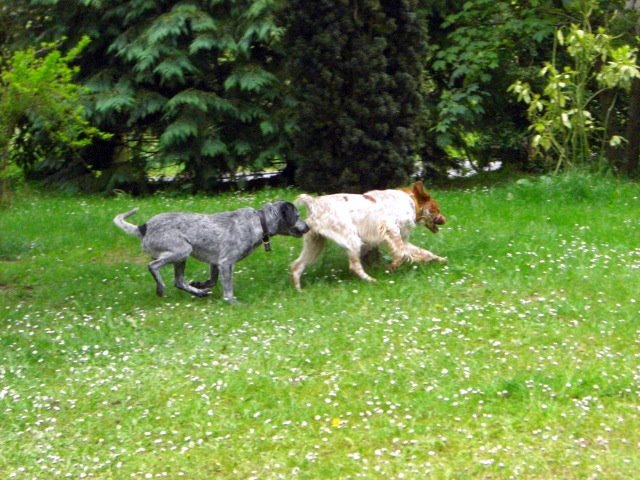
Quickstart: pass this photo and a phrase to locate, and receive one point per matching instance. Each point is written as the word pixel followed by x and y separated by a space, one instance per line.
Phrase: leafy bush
pixel 37 91
pixel 565 126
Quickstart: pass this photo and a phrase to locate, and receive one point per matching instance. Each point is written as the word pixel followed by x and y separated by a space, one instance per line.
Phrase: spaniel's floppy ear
pixel 420 192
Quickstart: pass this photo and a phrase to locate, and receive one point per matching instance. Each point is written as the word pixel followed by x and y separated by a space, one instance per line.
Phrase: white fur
pixel 359 223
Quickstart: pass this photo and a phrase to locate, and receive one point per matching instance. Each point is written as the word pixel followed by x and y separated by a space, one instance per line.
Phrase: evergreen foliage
pixel 355 69
pixel 189 83
pixel 199 86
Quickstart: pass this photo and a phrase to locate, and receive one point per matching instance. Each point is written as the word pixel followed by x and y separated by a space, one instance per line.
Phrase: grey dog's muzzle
pixel 300 228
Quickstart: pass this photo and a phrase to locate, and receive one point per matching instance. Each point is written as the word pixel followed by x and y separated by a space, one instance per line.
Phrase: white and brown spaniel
pixel 361 223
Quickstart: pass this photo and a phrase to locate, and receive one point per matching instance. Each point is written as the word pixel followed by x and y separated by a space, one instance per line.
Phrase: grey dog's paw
pixel 202 292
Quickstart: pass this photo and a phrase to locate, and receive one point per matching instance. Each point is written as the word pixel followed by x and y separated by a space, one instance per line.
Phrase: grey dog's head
pixel 288 219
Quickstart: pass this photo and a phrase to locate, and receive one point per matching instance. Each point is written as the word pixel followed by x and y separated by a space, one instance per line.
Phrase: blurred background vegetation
pixel 326 95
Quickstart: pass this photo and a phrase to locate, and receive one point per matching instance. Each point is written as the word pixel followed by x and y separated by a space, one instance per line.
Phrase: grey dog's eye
pixel 290 213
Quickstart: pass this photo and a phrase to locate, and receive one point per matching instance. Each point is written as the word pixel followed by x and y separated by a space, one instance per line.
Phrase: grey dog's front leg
pixel 211 282
pixel 226 276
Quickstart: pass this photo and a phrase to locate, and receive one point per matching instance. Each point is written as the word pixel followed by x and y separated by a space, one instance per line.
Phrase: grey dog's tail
pixel 129 228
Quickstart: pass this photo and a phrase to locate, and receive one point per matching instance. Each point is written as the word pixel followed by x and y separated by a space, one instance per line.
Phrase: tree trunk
pixel 615 154
pixel 633 122
pixel 633 130
pixel 4 184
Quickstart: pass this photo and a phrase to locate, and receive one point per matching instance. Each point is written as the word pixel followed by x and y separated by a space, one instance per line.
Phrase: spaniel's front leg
pixel 417 254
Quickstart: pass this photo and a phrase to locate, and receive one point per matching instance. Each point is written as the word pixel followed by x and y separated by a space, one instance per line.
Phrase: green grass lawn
pixel 520 358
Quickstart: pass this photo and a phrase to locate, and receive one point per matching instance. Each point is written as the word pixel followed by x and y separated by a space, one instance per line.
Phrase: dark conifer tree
pixel 355 69
pixel 192 83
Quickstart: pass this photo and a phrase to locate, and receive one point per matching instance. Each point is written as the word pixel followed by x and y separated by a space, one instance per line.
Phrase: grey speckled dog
pixel 219 239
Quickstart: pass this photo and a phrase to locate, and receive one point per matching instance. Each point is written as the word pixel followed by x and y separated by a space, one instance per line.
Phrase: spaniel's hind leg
pixel 348 239
pixel 355 265
pixel 351 242
pixel 311 250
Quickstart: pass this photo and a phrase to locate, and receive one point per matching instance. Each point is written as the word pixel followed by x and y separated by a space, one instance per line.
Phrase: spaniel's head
pixel 427 209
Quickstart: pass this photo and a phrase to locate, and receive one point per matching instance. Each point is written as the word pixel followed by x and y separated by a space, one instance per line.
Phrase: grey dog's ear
pixel 289 212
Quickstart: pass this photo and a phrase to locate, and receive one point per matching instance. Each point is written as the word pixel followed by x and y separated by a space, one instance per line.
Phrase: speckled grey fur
pixel 220 239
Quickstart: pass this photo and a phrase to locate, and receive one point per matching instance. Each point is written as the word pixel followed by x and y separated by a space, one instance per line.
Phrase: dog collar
pixel 265 231
pixel 419 215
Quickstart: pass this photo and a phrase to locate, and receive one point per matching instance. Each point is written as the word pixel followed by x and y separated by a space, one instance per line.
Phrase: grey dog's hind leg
pixel 211 281
pixel 154 268
pixel 176 256
pixel 180 283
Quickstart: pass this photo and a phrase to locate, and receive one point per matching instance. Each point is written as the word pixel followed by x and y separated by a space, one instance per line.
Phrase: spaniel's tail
pixel 306 200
